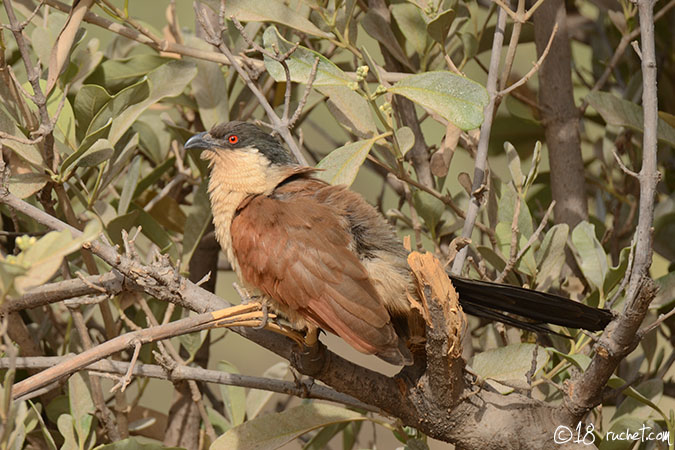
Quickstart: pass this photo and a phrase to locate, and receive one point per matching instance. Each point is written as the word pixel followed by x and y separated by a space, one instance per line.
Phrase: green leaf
pixel 534 168
pixel 620 112
pixel 65 123
pixel 409 20
pixel 67 166
pixel 100 151
pixel 130 182
pixel 24 185
pixel 44 35
pixel 350 110
pixel 274 430
pixel 157 233
pixel 342 164
pixel 151 178
pixel 550 256
pixel 300 63
pixel 268 11
pixel 469 44
pixel 405 138
pixel 578 360
pixel 429 208
pixel 507 207
pixel 503 234
pixel 616 273
pixel 27 152
pixel 457 99
pixel 514 165
pixel 510 363
pixel 196 223
pixel 233 396
pixel 66 426
pixel 647 393
pixel 616 436
pixel 119 102
pixel 322 438
pixel 193 341
pixel 168 80
pixel 590 254
pixel 44 257
pixel 209 88
pixel 90 99
pixel 220 423
pixel 257 398
pixel 380 29
pixel 81 404
pixel 117 74
pixel 439 27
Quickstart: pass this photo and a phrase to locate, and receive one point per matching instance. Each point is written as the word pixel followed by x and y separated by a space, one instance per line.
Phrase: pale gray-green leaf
pixel 377 26
pixel 65 424
pixel 65 123
pixel 117 74
pixel 257 398
pixel 457 99
pixel 193 341
pixel 514 165
pixel 81 404
pixel 168 80
pixel 350 109
pixel 233 396
pixel 130 182
pixel 439 26
pixel 409 20
pixel 197 221
pixel 550 256
pixel 342 164
pixel 300 63
pixel 209 88
pixel 591 256
pixel 24 185
pixel 269 11
pixel 89 100
pixel 405 138
pixel 44 257
pixel 26 151
pixel 512 362
pixel 429 208
pixel 507 208
pixel 274 430
pixel 620 112
pixel 100 151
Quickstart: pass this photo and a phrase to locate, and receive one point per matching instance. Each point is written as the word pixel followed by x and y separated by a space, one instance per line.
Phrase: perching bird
pixel 326 259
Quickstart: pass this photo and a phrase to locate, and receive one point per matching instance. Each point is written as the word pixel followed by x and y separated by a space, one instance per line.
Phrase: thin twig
pixel 534 68
pixel 623 167
pixel 480 165
pixel 126 379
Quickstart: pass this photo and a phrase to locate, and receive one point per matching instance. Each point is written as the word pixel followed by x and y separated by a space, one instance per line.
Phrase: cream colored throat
pixel 236 174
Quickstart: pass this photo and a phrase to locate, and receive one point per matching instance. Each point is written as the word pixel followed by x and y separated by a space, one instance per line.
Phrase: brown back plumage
pixel 299 250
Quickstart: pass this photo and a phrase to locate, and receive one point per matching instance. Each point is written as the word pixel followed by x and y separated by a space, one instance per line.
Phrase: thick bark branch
pixel 622 336
pixel 560 115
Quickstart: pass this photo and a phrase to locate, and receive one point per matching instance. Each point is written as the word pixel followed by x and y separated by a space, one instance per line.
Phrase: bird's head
pixel 239 137
pixel 243 158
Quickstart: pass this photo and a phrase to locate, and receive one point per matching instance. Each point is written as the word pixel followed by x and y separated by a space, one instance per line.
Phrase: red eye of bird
pixel 233 139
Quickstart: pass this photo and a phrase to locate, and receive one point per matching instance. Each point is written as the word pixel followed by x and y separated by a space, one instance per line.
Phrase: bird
pixel 325 259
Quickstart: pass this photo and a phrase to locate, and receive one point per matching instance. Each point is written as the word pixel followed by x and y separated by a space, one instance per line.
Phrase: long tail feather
pixel 492 300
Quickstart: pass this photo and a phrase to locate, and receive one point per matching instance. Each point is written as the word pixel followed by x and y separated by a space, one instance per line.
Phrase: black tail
pixel 492 301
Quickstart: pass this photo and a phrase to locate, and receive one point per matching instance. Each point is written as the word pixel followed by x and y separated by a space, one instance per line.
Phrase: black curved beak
pixel 201 140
